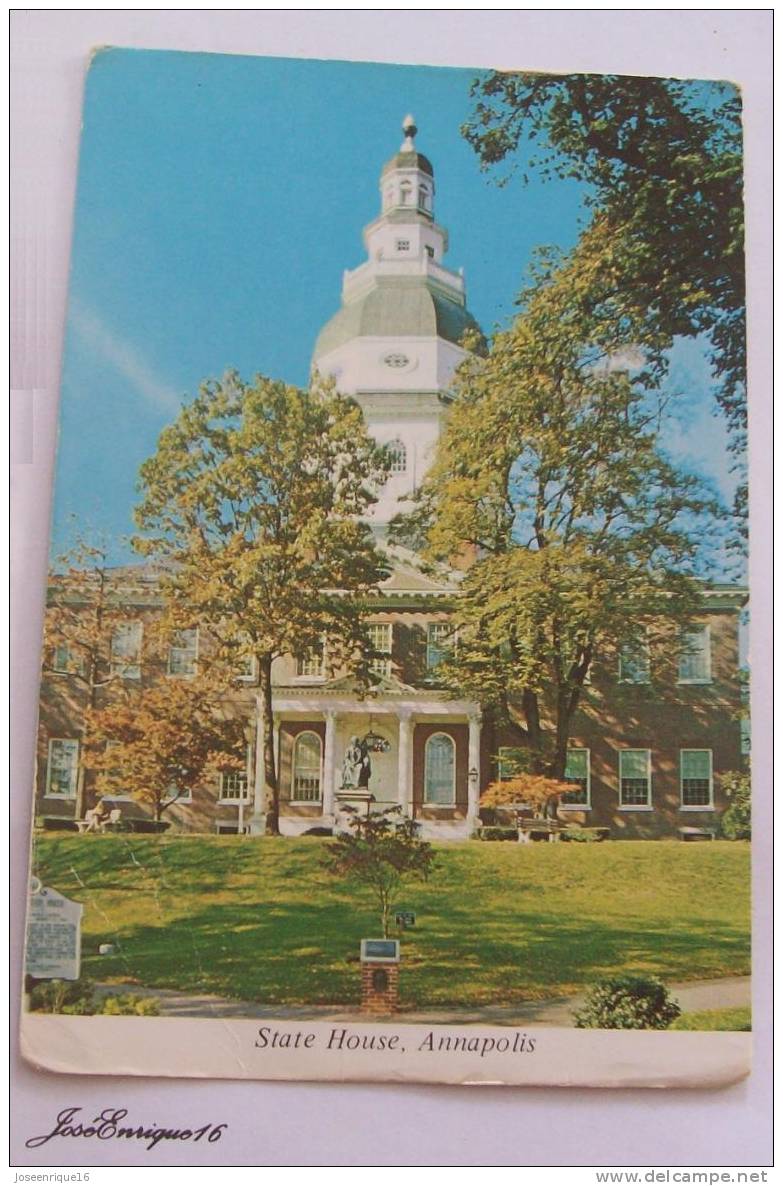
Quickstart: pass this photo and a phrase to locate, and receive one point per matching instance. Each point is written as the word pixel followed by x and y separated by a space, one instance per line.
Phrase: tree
pixel 661 160
pixel 550 473
pixel 82 615
pixel 535 790
pixel 255 497
pixel 735 822
pixel 380 852
pixel 159 743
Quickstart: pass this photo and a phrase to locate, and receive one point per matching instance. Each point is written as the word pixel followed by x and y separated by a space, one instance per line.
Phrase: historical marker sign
pixel 54 936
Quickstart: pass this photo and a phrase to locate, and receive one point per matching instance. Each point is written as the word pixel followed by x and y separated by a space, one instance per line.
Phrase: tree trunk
pixel 567 701
pixel 534 734
pixel 270 772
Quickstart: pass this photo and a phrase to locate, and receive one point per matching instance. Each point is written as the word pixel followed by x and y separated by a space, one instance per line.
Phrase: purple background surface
pixel 353 1125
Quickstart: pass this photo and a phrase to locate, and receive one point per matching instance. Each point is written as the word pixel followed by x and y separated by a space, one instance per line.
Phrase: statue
pixel 356 765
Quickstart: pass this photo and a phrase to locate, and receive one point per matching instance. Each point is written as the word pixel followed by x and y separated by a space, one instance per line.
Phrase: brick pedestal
pixel 380 988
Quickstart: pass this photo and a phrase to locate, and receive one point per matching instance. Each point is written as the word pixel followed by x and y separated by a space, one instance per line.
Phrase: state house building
pixel 652 732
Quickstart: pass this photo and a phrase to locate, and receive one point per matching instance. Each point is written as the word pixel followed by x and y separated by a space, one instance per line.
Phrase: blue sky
pixel 219 200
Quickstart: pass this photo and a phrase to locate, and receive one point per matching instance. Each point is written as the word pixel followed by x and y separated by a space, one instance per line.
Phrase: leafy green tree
pixel 735 822
pixel 550 474
pixel 255 498
pixel 661 160
pixel 380 852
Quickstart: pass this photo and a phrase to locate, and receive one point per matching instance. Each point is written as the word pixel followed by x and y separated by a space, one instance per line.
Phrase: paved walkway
pixel 693 995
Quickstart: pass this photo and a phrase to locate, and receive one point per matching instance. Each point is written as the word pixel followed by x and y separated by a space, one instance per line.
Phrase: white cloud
pixel 122 356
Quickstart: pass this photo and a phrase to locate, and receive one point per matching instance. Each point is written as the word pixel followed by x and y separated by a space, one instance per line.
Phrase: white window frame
pixel 316 658
pixel 70 794
pixel 433 628
pixel 116 798
pixel 648 806
pixel 223 776
pixel 695 806
pixel 251 675
pixel 381 666
pixel 70 664
pixel 307 733
pixel 398 453
pixel 582 749
pixel 453 800
pixel 701 679
pixel 644 648
pixel 127 667
pixel 195 649
pixel 186 798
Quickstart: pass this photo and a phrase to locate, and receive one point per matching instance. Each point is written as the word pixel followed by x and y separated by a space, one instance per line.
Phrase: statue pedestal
pixel 356 798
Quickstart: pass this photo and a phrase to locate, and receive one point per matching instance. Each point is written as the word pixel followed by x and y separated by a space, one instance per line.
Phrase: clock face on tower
pixel 396 360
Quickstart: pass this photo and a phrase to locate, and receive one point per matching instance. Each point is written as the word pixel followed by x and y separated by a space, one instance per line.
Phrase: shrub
pixel 497 833
pixel 735 821
pixel 77 998
pixel 585 835
pixel 627 1003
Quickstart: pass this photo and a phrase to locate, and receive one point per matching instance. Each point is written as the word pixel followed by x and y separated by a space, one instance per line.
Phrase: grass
pixel 259 919
pixel 714 1019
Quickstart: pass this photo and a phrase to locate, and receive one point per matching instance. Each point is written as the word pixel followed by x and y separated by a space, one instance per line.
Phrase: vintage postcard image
pixel 394 716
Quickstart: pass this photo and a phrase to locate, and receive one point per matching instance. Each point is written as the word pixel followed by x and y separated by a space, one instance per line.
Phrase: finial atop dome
pixel 410 130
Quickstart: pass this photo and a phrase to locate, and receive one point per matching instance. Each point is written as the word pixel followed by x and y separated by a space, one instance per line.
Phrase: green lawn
pixel 714 1019
pixel 498 923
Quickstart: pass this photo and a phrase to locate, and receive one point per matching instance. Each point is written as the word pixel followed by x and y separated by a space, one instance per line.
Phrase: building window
pixel 635 661
pixel 430 251
pixel 695 660
pixel 311 665
pixel 381 644
pixel 635 786
pixel 62 768
pixel 403 244
pixel 696 778
pixel 745 736
pixel 577 771
pixel 229 829
pixel 233 786
pixel 126 650
pixel 439 635
pixel 439 770
pixel 307 768
pixel 509 765
pixel 405 194
pixel 64 662
pixel 183 653
pixel 424 197
pixel 398 457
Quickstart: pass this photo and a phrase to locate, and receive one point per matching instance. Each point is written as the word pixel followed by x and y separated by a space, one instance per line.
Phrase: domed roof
pixel 408 160
pixel 397 306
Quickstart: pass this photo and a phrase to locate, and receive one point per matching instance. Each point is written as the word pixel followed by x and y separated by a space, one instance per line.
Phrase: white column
pixel 404 764
pixel 258 776
pixel 474 763
pixel 328 772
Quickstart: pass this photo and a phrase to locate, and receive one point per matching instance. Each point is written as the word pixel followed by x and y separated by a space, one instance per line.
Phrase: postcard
pixel 394 717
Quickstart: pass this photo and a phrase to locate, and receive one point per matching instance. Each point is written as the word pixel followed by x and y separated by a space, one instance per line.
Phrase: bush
pixel 585 835
pixel 735 821
pixel 627 1003
pixel 77 998
pixel 497 833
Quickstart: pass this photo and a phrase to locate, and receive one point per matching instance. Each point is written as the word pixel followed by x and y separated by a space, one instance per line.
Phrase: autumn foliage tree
pixel 255 496
pixel 83 612
pixel 160 743
pixel 550 473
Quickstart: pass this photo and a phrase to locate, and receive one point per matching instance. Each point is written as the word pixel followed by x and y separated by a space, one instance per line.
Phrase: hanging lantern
pixel 375 743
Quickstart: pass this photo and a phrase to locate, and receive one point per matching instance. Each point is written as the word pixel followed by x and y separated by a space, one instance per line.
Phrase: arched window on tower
pixel 398 457
pixel 406 193
pixel 439 770
pixel 424 197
